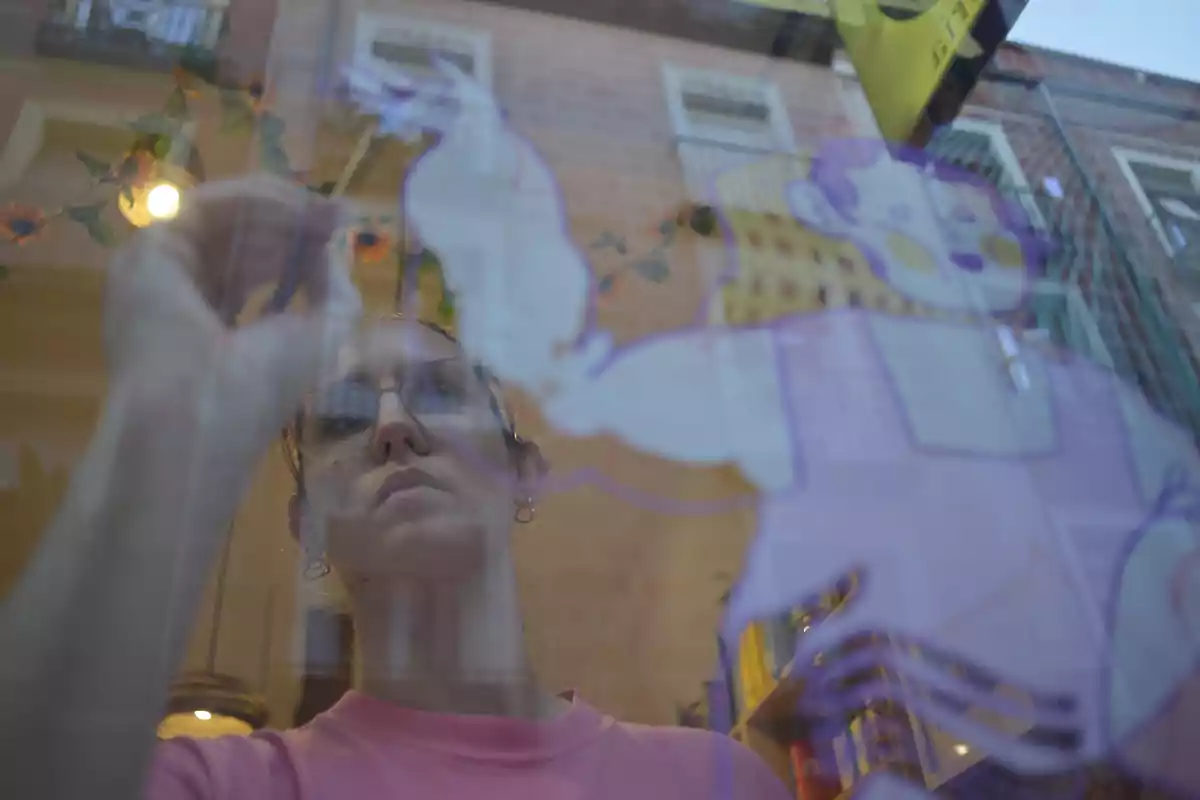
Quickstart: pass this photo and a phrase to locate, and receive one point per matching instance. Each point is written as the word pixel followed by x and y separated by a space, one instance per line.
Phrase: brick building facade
pixel 622 602
pixel 1098 153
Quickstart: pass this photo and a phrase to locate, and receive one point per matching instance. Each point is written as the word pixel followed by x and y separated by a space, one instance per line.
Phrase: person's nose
pixel 398 434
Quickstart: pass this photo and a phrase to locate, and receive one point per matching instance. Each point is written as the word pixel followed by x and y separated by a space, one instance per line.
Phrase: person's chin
pixel 434 545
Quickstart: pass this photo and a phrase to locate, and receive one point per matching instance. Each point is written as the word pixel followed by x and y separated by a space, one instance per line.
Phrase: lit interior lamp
pixel 961 749
pixel 156 200
pixel 157 196
pixel 162 201
pixel 201 725
pixel 206 705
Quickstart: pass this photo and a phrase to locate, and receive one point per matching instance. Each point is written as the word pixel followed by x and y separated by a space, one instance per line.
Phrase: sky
pixel 1160 36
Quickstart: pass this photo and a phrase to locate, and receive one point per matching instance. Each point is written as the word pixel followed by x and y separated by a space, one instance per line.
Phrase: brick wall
pixel 1144 116
pixel 1094 125
pixel 620 602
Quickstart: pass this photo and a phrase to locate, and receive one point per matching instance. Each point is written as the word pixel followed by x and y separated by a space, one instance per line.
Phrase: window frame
pixel 675 77
pixel 1003 151
pixel 373 26
pixel 1124 156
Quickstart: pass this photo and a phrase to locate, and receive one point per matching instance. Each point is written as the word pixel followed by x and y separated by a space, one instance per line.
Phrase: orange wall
pixel 621 602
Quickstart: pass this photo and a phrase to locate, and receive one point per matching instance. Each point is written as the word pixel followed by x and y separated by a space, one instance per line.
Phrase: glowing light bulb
pixel 961 749
pixel 204 715
pixel 163 201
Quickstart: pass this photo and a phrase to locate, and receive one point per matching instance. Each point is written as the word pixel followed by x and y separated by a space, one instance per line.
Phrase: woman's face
pixel 406 461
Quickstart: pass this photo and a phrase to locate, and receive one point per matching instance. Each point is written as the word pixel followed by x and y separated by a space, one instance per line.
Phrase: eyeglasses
pixel 353 405
pixel 350 406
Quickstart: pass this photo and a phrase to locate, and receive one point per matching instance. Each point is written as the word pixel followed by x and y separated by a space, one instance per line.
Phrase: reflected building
pixel 672 128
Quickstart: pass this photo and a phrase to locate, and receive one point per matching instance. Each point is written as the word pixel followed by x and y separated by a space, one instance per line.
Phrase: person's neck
pixel 448 647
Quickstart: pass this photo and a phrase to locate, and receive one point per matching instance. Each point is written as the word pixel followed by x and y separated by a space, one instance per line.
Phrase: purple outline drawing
pixel 1020 551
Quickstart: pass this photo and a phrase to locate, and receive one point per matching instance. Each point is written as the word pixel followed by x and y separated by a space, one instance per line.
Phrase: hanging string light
pixel 207 703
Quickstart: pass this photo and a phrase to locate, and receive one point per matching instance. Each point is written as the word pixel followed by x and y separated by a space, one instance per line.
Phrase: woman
pixel 411 477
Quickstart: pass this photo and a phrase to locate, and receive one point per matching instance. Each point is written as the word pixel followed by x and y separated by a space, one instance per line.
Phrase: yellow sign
pixel 900 62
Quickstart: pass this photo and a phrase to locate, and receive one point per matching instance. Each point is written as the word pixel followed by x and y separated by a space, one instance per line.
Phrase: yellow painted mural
pixel 781 267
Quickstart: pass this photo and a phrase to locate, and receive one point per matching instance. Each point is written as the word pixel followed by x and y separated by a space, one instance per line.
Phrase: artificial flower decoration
pixel 371 245
pixel 186 81
pixel 138 167
pixel 699 217
pixel 607 284
pixel 257 93
pixel 19 224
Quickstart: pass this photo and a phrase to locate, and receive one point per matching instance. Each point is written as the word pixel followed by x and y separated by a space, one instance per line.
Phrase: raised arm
pixel 96 627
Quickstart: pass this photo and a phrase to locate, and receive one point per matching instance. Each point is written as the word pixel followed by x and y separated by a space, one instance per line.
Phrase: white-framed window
pixel 410 46
pixel 722 121
pixel 721 108
pixel 982 147
pixel 176 22
pixel 1168 190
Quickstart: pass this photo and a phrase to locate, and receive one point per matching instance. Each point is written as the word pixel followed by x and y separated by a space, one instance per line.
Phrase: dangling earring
pixel 316 568
pixel 526 511
pixel 312 542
